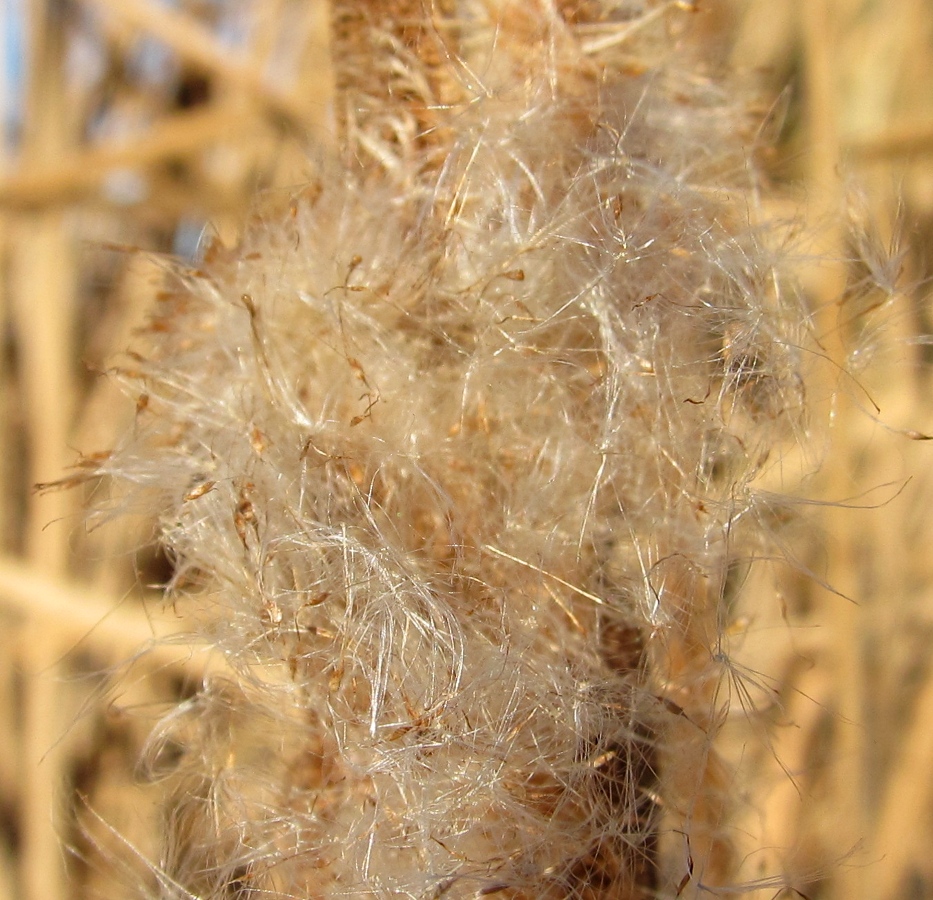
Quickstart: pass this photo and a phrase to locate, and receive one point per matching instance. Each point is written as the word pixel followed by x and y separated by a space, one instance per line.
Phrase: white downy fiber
pixel 455 451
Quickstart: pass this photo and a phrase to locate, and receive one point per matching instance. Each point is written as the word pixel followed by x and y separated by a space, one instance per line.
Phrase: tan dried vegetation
pixel 767 735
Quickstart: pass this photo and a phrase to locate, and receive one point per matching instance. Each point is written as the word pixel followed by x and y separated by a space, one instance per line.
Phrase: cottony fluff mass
pixel 455 452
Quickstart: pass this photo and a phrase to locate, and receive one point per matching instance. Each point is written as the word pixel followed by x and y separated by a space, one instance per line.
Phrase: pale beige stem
pixel 197 45
pixel 843 612
pixel 70 616
pixel 70 178
pixel 42 287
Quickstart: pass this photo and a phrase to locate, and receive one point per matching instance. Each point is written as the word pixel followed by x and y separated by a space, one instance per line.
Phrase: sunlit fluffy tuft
pixel 458 448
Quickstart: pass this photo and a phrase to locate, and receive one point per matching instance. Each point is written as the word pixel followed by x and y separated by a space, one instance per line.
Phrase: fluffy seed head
pixel 456 450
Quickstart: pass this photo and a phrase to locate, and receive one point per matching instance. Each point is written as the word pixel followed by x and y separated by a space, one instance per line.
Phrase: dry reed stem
pixel 9 516
pixel 820 42
pixel 72 617
pixel 42 861
pixel 69 179
pixel 198 45
pixel 43 293
pixel 898 141
pixel 907 800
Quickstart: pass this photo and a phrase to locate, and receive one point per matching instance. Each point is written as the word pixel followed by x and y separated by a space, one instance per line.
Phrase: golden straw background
pixel 142 122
